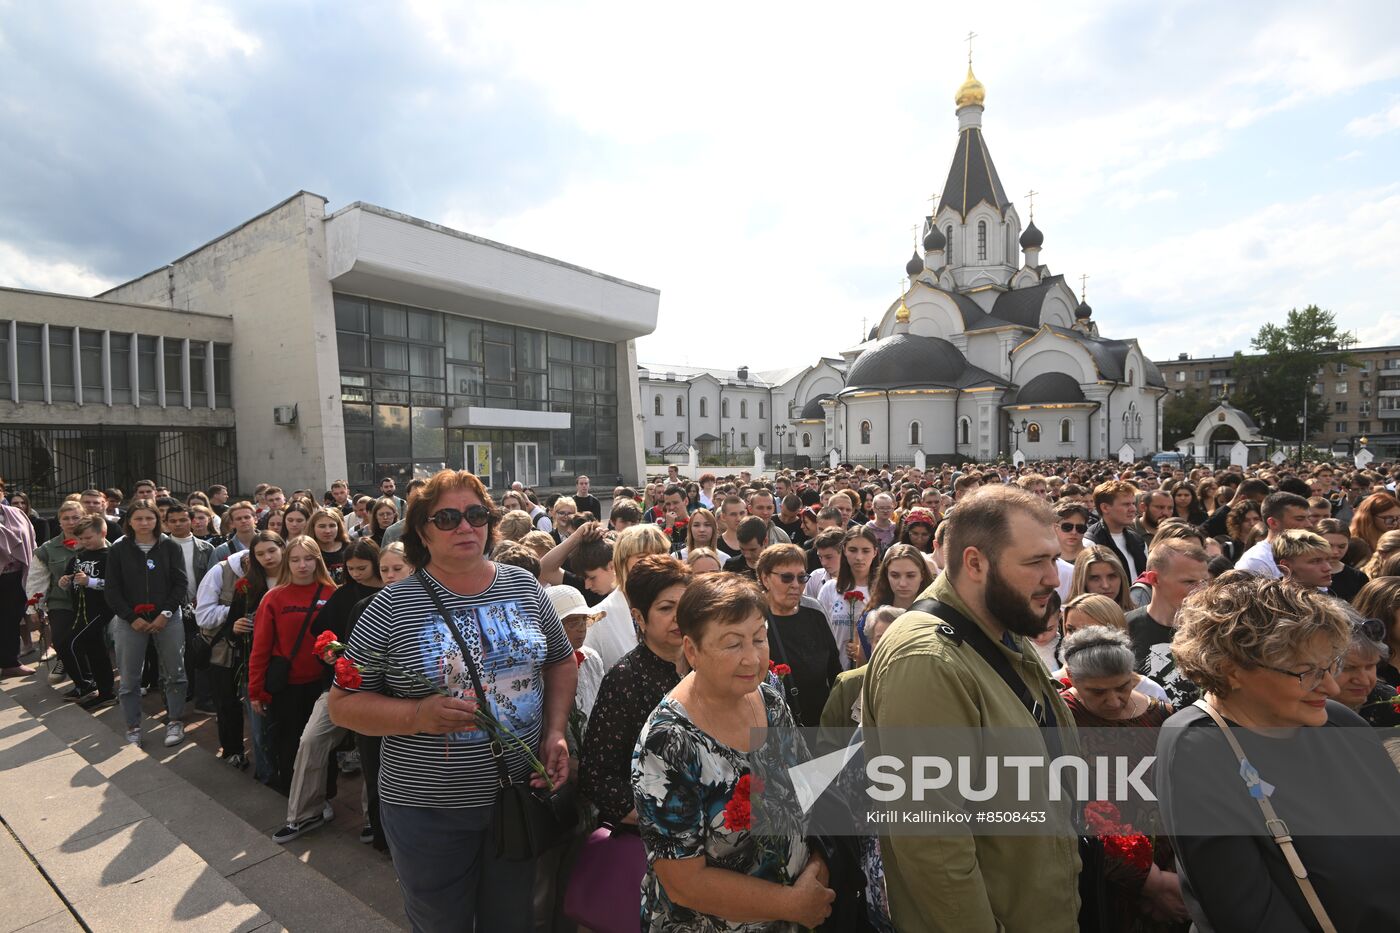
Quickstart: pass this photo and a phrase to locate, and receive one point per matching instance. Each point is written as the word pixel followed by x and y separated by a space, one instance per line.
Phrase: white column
pixel 209 372
pixel 44 361
pixel 185 370
pixel 133 360
pixel 160 371
pixel 107 368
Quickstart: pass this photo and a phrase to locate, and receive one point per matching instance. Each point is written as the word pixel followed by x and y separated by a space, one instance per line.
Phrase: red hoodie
pixel 281 615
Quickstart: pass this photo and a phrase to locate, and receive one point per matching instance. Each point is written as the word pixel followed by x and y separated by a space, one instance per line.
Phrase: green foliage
pixel 1181 415
pixel 1273 384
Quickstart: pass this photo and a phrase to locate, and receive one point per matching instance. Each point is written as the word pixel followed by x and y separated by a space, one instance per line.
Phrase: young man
pixel 240 524
pixel 1071 522
pixel 883 523
pixel 789 519
pixel 340 494
pixel 1281 511
pixel 761 505
pixel 198 559
pixel 94 502
pixel 85 655
pixel 624 514
pixel 388 489
pixel 1116 502
pixel 826 550
pixel 753 538
pixel 218 499
pixel 273 500
pixel 1154 507
pixel 1175 568
pixel 583 501
pixel 707 490
pixel 144 489
pixel 1318 509
pixel 590 556
pixel 1305 558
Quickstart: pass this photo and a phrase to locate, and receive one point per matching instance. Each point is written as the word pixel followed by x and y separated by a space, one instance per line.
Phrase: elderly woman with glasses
pixel 1261 777
pixel 1362 689
pixel 798 635
pixel 462 630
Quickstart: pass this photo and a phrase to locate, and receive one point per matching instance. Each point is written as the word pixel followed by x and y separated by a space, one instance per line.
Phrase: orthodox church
pixel 987 351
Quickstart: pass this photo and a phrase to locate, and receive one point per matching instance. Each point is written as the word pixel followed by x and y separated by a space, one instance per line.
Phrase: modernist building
pixel 1361 397
pixel 985 353
pixel 358 344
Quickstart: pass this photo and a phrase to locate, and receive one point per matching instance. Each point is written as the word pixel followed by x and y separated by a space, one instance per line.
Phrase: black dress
pixel 1336 789
pixel 803 642
pixel 626 697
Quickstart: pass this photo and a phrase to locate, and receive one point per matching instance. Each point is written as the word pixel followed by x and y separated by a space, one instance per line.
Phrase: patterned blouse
pixel 626 697
pixel 686 784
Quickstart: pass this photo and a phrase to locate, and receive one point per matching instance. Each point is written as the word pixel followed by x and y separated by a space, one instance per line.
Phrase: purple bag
pixel 605 889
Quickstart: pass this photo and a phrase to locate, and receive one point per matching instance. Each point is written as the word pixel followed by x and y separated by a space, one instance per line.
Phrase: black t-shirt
pixel 589 504
pixel 1214 526
pixel 94 601
pixel 793 529
pixel 1146 632
pixel 724 548
pixel 804 643
pixel 1347 582
pixel 739 565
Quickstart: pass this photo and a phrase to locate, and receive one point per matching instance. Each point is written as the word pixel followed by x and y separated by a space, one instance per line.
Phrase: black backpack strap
pixel 959 628
pixel 497 752
pixel 311 615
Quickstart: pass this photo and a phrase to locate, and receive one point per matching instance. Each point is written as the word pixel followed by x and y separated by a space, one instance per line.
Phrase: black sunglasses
pixel 1373 629
pixel 449 519
pixel 788 578
pixel 1067 527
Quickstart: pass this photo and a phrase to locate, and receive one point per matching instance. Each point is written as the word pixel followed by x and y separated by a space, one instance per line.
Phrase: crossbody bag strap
pixel 1277 828
pixel 498 754
pixel 311 615
pixel 970 632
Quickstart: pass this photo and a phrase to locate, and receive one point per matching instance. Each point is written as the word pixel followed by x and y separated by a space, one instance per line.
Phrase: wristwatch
pixel 167 613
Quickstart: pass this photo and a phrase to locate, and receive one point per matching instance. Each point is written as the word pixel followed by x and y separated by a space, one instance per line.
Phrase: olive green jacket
pixel 969 882
pixel 50 562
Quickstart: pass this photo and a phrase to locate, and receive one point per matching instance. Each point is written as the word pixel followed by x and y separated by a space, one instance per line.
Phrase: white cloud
pixel 19 269
pixel 1376 124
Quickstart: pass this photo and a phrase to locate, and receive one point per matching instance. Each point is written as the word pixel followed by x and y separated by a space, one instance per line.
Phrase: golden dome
pixel 972 91
pixel 901 314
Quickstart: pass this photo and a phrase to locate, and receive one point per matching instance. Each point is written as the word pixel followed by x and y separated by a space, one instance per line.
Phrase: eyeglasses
pixel 1313 677
pixel 1067 527
pixel 788 578
pixel 1374 629
pixel 448 519
pixel 1389 521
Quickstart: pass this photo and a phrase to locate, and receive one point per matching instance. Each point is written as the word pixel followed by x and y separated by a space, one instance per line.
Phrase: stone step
pixel 167 838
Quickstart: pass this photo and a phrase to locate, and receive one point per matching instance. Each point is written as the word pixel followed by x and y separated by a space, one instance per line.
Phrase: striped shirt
pixel 512 633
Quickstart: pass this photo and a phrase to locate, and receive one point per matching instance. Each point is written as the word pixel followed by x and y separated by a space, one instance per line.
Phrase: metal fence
pixel 49 462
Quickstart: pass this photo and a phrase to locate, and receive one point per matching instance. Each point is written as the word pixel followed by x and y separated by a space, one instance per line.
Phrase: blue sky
pixel 1208 165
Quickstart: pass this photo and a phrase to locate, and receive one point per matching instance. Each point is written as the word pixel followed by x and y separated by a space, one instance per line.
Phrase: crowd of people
pixel 628 663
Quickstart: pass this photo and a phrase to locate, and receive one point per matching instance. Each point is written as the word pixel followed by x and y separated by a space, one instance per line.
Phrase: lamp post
pixel 733 451
pixel 1016 435
pixel 1303 429
pixel 780 430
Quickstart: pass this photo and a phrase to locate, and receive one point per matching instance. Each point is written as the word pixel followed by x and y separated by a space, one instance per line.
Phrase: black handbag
pixel 528 821
pixel 279 669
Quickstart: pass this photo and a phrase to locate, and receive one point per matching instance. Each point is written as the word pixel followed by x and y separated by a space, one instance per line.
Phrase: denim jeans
pixel 263 766
pixel 131 654
pixel 450 875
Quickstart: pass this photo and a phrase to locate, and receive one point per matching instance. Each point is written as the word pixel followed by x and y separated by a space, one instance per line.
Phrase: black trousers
pixel 228 709
pixel 12 610
pixel 88 646
pixel 61 628
pixel 289 712
pixel 368 746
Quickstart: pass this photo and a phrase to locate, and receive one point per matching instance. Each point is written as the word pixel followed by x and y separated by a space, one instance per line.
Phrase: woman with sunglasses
pixel 798 635
pixel 1266 654
pixel 1362 689
pixel 462 620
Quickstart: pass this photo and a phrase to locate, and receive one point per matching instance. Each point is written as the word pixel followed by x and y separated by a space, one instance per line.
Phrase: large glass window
pixel 386 355
pixel 388 321
pixel 30 348
pixel 174 377
pixel 429 436
pixel 121 368
pixel 90 342
pixel 351 314
pixel 199 391
pixel 61 363
pixel 223 376
pixel 4 359
pixel 353 350
pixel 463 339
pixel 146 364
pixel 500 365
pixel 391 432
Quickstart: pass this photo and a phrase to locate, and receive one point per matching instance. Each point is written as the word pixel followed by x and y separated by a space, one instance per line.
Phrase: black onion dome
pixel 1050 389
pixel 813 409
pixel 1032 238
pixel 934 239
pixel 1083 312
pixel 915 265
pixel 907 359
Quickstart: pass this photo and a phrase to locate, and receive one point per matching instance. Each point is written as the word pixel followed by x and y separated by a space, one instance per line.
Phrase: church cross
pixel 933 206
pixel 1030 196
pixel 1082 286
pixel 970 37
pixel 915 229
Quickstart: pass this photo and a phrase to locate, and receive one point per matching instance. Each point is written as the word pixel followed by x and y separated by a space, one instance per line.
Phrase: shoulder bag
pixel 279 668
pixel 528 821
pixel 1278 829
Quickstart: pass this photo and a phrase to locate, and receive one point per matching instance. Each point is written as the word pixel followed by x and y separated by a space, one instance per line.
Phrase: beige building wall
pixel 269 276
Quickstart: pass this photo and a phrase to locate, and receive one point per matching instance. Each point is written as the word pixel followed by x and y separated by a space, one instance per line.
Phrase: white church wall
pixel 1044 357
pixel 931 314
pixel 984 350
pixel 1051 444
pixel 1056 311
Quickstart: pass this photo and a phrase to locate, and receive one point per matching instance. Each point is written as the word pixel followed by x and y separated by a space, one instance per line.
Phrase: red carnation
pixel 347 675
pixel 782 670
pixel 70 543
pixel 853 596
pixel 325 643
pixel 34 600
pixel 1135 849
pixel 241 587
pixel 144 609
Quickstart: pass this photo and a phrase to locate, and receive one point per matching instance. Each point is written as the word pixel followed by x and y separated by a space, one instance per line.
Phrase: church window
pixel 704 408
pixel 916 433
pixel 950 244
pixel 964 430
pixel 760 410
pixel 657 407
pixel 982 240
pixel 1130 377
pixel 1066 430
pixel 724 408
pixel 658 439
pixel 680 410
pixel 744 439
pixel 806 439
pixel 743 408
pixel 865 432
pixel 1033 433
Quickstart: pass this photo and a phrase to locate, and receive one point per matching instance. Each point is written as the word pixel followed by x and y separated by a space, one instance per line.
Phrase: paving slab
pixel 190 899
pixel 62 801
pixel 58 923
pixel 282 889
pixel 29 898
pixel 225 842
pixel 126 855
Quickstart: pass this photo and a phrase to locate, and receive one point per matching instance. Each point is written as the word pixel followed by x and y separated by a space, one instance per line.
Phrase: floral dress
pixel 698 797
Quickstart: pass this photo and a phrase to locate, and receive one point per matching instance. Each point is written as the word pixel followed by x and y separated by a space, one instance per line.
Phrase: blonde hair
pixel 1386 545
pixel 514 525
pixel 1098 554
pixel 692 556
pixel 308 544
pixel 708 516
pixel 1298 542
pixel 1098 607
pixel 1243 621
pixel 633 542
pixel 538 541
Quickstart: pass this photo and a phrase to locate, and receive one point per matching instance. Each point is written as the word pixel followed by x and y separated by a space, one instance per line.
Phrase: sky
pixel 1209 166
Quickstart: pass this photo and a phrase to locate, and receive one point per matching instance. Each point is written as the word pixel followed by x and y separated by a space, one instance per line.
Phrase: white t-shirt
pixel 613 635
pixel 838 616
pixel 590 677
pixel 1122 543
pixel 186 546
pixel 1066 570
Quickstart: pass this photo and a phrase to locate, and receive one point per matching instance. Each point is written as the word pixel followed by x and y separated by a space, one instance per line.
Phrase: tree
pixel 1275 383
pixel 1180 415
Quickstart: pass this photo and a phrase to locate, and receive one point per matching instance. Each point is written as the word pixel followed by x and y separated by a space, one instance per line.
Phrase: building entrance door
pixel 527 463
pixel 477 457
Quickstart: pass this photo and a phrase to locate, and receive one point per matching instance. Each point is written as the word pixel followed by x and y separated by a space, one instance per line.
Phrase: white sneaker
pixel 327 812
pixel 174 734
pixel 133 736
